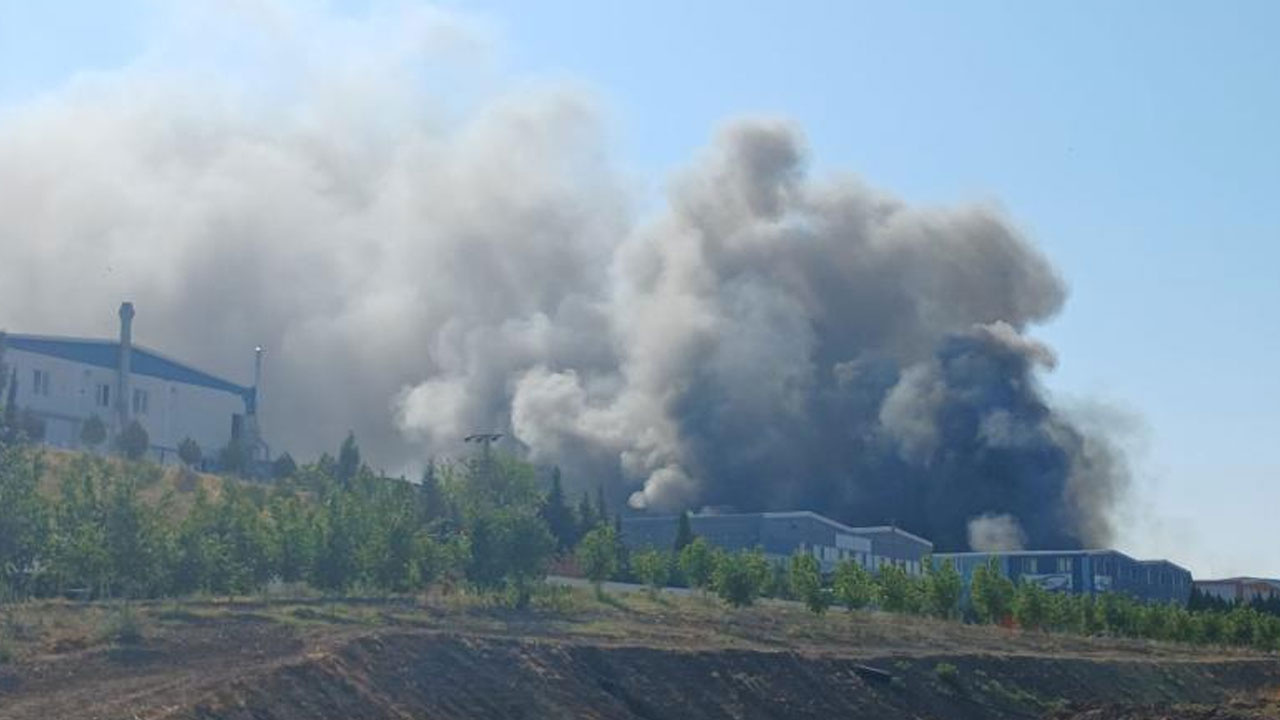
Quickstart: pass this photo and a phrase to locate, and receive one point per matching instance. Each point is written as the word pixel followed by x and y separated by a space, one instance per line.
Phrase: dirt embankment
pixel 446 676
pixel 627 657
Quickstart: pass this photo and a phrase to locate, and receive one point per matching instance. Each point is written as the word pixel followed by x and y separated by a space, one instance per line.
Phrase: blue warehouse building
pixel 782 534
pixel 1084 572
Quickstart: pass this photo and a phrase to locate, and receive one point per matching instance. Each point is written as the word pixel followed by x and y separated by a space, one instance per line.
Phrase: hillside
pixel 458 656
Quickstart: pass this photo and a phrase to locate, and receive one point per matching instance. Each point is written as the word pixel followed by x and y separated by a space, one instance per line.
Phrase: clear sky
pixel 1135 142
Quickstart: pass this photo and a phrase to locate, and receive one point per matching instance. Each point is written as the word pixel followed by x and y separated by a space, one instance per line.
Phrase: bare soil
pixel 573 656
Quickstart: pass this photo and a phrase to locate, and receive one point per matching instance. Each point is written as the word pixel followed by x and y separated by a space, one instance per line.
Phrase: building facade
pixel 1241 590
pixel 1084 572
pixel 782 534
pixel 66 381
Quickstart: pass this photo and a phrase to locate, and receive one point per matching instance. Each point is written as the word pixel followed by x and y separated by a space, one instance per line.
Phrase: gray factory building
pixel 1084 572
pixel 782 534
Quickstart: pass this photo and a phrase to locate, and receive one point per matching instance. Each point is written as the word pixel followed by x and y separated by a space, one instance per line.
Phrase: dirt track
pixel 632 658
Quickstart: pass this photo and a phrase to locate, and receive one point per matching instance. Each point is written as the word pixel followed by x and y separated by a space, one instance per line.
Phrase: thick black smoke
pixel 420 268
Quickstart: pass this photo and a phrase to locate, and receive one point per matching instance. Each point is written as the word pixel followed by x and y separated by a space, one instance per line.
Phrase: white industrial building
pixel 65 381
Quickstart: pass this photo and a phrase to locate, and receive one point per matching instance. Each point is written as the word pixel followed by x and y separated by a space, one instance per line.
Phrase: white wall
pixel 175 410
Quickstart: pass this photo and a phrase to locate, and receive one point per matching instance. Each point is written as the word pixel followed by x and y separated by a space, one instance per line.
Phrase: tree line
pixel 486 524
pixel 743 577
pixel 334 525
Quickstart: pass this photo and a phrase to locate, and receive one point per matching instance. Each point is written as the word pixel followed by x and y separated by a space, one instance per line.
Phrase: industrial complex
pixel 66 381
pixel 1083 572
pixel 781 534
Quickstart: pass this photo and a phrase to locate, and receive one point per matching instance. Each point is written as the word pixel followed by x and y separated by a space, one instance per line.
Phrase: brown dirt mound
pixel 445 676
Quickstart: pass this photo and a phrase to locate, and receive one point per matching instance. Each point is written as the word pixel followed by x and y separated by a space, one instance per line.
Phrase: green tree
pixel 587 519
pixel 598 557
pixel 698 563
pixel 348 459
pixel 944 587
pixel 284 467
pixel 855 588
pixel 1031 606
pixel 991 593
pixel 133 442
pixel 189 452
pixel 93 432
pixel 24 525
pixel 33 426
pixel 739 577
pixel 806 582
pixel 653 568
pixel 896 589
pixel 556 513
pixel 684 532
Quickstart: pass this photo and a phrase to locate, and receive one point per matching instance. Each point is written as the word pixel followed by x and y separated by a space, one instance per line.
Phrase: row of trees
pixel 337 526
pixel 478 523
pixel 741 578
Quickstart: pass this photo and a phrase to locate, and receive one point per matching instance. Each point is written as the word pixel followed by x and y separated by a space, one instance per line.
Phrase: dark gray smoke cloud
pixel 421 267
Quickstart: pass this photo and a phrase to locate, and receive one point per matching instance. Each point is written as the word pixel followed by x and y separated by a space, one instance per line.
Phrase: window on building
pixel 1028 566
pixel 1064 565
pixel 40 382
pixel 140 402
pixel 103 396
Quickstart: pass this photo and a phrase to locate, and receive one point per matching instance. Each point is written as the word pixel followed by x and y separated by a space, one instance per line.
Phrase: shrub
pixel 124 626
pixel 991 593
pixel 898 592
pixel 943 586
pixel 133 441
pixel 598 556
pixel 947 673
pixel 652 567
pixel 189 452
pixel 698 563
pixel 93 432
pixel 854 586
pixel 806 582
pixel 740 576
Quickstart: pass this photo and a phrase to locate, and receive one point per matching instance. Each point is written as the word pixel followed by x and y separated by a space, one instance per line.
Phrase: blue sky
pixel 1133 141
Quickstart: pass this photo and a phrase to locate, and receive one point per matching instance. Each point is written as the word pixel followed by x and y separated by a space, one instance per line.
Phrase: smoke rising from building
pixel 420 267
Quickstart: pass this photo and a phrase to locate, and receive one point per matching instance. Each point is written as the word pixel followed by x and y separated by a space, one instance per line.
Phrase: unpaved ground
pixel 573 656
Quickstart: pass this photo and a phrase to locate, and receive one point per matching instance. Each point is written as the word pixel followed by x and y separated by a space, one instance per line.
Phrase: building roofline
pixel 783 514
pixel 1242 579
pixel 1091 551
pixel 201 377
pixel 894 529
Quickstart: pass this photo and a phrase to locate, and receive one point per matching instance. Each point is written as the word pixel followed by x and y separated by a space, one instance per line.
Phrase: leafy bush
pixel 739 577
pixel 124 626
pixel 93 432
pixel 597 555
pixel 133 441
pixel 855 588
pixel 806 582
pixel 991 593
pixel 189 452
pixel 898 591
pixel 652 567
pixel 943 586
pixel 698 563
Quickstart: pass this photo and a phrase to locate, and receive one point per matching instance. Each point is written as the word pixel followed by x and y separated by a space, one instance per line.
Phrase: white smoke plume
pixel 427 252
pixel 995 533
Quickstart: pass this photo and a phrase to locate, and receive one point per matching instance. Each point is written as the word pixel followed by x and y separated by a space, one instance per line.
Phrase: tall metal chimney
pixel 123 397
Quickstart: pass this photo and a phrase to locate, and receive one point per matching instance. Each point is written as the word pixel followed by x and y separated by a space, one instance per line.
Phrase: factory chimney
pixel 125 366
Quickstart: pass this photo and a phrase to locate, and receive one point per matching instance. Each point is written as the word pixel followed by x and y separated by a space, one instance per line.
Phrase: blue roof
pixel 106 353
